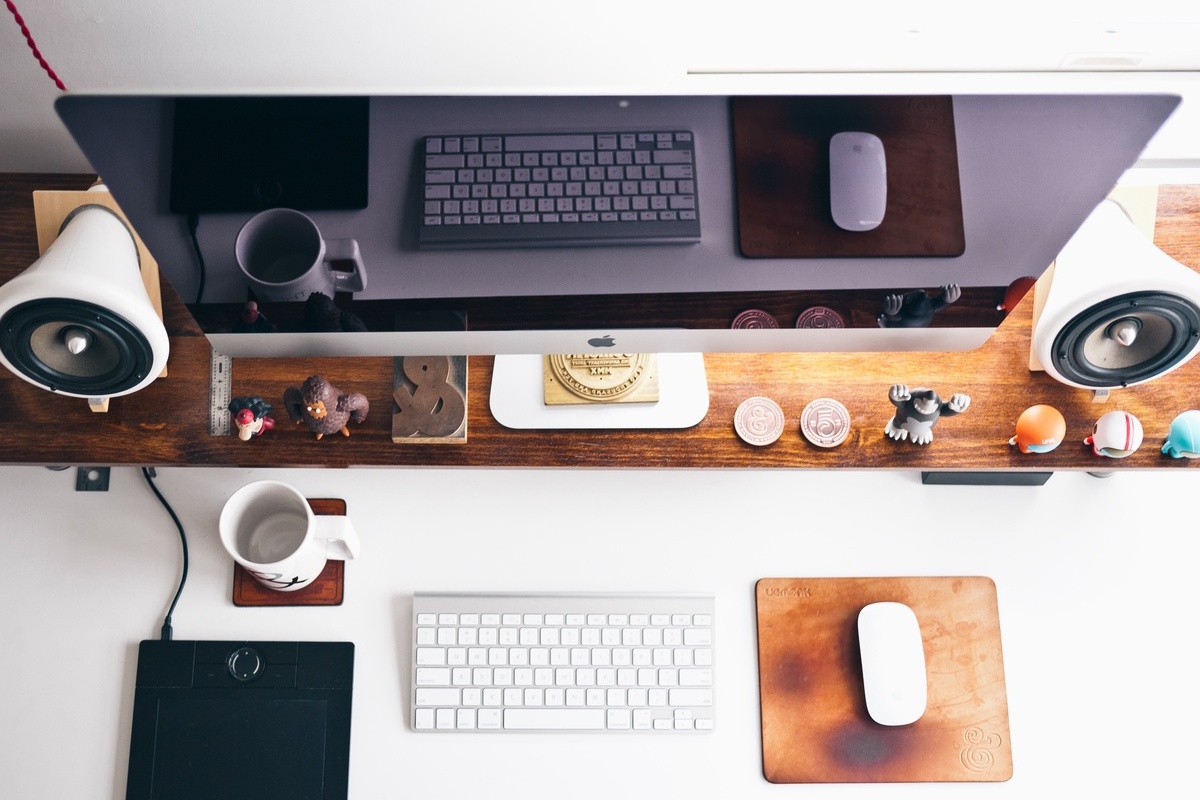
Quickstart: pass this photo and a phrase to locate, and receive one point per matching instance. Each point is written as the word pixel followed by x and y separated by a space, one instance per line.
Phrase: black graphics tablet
pixel 241 719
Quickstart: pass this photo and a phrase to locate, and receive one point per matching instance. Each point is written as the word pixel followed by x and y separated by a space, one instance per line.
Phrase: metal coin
pixel 758 421
pixel 754 318
pixel 825 422
pixel 820 317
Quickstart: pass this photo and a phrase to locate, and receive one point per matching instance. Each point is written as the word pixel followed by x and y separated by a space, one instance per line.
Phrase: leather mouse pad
pixel 781 159
pixel 815 726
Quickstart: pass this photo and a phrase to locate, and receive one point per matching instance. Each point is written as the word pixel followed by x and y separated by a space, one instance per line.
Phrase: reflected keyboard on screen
pixel 535 190
pixel 562 662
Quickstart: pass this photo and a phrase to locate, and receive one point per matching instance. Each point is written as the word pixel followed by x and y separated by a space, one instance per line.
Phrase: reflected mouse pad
pixel 815 725
pixel 782 173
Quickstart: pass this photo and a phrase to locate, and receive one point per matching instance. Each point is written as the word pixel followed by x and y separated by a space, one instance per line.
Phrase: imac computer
pixel 982 191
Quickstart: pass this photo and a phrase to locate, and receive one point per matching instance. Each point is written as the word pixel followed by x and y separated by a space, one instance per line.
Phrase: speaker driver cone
pixel 1127 339
pixel 74 346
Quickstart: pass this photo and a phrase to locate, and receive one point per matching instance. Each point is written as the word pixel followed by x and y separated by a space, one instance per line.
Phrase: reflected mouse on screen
pixel 893 663
pixel 857 180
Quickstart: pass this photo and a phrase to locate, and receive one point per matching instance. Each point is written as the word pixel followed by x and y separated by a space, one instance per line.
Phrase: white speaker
pixel 1114 310
pixel 79 321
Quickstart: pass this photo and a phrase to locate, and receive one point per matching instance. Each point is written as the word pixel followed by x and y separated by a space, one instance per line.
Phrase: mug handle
pixel 339 536
pixel 346 250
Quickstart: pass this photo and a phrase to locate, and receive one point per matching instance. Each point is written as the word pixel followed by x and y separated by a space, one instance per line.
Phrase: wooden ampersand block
pixel 429 397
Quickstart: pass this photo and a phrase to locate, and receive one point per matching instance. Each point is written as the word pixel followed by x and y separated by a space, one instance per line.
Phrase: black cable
pixel 148 473
pixel 193 223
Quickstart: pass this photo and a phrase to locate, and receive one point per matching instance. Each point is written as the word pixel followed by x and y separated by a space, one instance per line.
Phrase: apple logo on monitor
pixel 602 341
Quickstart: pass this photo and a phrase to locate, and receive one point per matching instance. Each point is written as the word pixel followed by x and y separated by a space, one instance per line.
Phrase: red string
pixel 33 46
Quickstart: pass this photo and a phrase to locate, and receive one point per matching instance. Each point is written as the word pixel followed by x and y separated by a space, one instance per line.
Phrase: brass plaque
pixel 578 378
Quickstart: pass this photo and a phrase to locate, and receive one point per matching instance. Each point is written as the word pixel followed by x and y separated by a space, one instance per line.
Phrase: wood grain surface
pixel 167 423
pixel 815 725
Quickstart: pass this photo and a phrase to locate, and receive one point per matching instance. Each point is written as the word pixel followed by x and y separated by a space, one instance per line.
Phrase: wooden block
pixel 327 590
pixel 429 399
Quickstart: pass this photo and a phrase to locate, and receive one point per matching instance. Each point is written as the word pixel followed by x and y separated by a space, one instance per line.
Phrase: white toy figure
pixel 1117 434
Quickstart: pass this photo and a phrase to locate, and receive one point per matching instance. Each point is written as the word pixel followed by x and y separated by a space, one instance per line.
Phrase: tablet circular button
pixel 245 664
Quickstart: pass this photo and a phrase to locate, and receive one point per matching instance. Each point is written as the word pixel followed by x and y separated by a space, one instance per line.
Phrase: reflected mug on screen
pixel 285 259
pixel 269 528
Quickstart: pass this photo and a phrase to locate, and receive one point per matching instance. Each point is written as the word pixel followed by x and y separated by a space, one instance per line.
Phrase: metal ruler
pixel 220 392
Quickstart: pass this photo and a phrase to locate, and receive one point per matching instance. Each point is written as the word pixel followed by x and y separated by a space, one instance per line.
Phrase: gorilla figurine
pixel 918 410
pixel 915 309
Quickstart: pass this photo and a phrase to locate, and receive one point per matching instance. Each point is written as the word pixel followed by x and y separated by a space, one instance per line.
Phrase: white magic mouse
pixel 857 180
pixel 893 663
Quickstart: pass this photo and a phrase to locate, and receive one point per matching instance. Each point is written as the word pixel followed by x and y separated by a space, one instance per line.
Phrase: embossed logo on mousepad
pixel 815 726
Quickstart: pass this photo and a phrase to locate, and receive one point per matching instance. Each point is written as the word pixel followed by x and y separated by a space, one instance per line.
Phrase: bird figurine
pixel 250 416
pixel 323 407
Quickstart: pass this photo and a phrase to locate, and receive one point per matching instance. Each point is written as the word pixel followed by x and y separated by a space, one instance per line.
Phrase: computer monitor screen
pixel 980 192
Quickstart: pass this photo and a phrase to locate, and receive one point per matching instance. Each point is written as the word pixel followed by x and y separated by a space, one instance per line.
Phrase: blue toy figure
pixel 1183 438
pixel 1040 429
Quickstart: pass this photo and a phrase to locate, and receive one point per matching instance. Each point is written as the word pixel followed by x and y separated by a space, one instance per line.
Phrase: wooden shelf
pixel 167 423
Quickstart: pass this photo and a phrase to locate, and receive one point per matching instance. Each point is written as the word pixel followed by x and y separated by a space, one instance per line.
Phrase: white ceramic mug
pixel 285 259
pixel 269 528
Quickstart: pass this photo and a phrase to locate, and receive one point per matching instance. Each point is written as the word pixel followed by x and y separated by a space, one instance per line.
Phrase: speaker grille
pixel 1166 328
pixel 34 336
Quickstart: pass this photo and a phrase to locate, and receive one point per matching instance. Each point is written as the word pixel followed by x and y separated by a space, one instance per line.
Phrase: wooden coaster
pixel 815 726
pixel 327 590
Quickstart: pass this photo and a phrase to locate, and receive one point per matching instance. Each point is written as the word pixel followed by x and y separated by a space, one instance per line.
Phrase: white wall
pixel 544 45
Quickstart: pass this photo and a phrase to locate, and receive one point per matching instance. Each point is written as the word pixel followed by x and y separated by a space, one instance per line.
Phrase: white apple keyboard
pixel 498 663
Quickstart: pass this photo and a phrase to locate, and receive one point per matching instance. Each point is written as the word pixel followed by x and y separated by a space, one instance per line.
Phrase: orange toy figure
pixel 1040 429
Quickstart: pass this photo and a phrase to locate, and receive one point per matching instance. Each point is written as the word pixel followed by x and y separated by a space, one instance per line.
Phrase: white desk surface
pixel 1094 576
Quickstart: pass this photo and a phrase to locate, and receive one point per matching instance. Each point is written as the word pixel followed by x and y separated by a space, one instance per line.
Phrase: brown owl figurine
pixel 323 407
